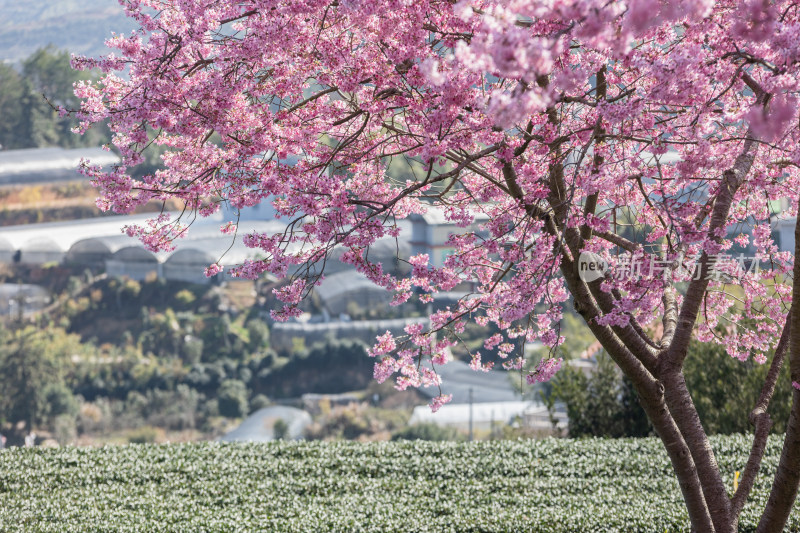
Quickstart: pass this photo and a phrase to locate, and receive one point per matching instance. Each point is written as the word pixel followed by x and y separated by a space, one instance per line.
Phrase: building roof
pixel 435 216
pixel 65 234
pixel 258 427
pixel 459 413
pixel 460 380
pixel 349 325
pixel 95 240
pixel 343 284
pixel 103 237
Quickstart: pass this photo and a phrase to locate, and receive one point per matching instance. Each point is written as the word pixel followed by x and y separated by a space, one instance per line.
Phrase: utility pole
pixel 20 301
pixel 470 414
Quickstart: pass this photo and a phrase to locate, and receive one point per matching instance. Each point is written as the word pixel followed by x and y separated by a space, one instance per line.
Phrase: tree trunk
pixel 784 487
pixel 685 414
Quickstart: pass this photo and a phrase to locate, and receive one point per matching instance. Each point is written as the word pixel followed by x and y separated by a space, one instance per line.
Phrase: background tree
pixel 29 97
pixel 259 334
pixel 331 368
pixel 32 365
pixel 280 429
pixel 232 398
pixel 724 390
pixel 601 404
pixel 16 108
pixel 558 123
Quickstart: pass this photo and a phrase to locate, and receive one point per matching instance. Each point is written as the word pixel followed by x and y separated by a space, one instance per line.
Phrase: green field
pixel 546 485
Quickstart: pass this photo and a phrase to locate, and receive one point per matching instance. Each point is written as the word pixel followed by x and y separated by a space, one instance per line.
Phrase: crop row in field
pixel 546 485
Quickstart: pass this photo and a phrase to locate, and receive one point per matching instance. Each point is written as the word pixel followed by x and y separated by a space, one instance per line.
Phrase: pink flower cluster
pixel 438 401
pixel 544 371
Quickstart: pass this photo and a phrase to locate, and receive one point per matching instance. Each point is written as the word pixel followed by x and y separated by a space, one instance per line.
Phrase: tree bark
pixel 685 414
pixel 784 486
pixel 681 458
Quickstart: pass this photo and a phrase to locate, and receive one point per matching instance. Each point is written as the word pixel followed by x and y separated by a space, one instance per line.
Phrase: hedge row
pixel 546 485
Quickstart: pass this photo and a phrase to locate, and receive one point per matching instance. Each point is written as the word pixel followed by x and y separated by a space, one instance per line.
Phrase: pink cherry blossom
pixel 438 401
pixel 545 370
pixel 213 270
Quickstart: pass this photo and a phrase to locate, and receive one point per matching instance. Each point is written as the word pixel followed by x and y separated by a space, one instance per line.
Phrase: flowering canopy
pixel 643 131
pixel 654 133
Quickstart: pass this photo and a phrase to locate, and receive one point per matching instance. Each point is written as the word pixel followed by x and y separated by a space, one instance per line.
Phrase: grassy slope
pixel 551 485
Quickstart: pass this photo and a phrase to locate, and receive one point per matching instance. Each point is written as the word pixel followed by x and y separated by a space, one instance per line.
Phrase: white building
pixel 431 231
pixel 260 426
pixel 783 233
pixel 486 415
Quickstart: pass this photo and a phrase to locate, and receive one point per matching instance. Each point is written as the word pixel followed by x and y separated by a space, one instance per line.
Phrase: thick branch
pixel 787 478
pixel 682 462
pixel 762 422
pixel 732 180
pixel 584 298
pixel 647 387
pixel 591 201
pixel 636 341
pixel 617 240
pixel 651 395
pixel 311 98
pixel 670 319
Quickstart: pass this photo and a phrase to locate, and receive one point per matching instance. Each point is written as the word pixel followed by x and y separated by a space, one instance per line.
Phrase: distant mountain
pixel 80 26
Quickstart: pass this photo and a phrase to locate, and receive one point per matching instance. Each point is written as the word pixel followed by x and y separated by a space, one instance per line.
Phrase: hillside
pixel 553 485
pixel 78 26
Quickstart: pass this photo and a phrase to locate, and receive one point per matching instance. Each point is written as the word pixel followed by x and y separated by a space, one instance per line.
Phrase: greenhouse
pixel 45 165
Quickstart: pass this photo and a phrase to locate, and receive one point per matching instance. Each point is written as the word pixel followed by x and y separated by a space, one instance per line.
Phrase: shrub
pixel 280 429
pixel 143 435
pixel 259 402
pixel 185 297
pixel 232 398
pixel 427 431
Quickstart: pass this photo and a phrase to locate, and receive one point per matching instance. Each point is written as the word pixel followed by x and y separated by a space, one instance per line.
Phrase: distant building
pixel 783 233
pixel 431 231
pixel 464 384
pixel 494 399
pixel 260 426
pixel 530 415
pixel 47 165
pixel 343 289
pixel 100 243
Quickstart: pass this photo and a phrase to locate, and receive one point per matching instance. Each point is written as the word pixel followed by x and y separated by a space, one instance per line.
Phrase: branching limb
pixel 670 319
pixel 762 422
pixel 787 478
pixel 732 180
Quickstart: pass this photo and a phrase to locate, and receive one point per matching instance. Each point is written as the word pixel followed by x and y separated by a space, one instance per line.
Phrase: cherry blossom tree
pixel 610 154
